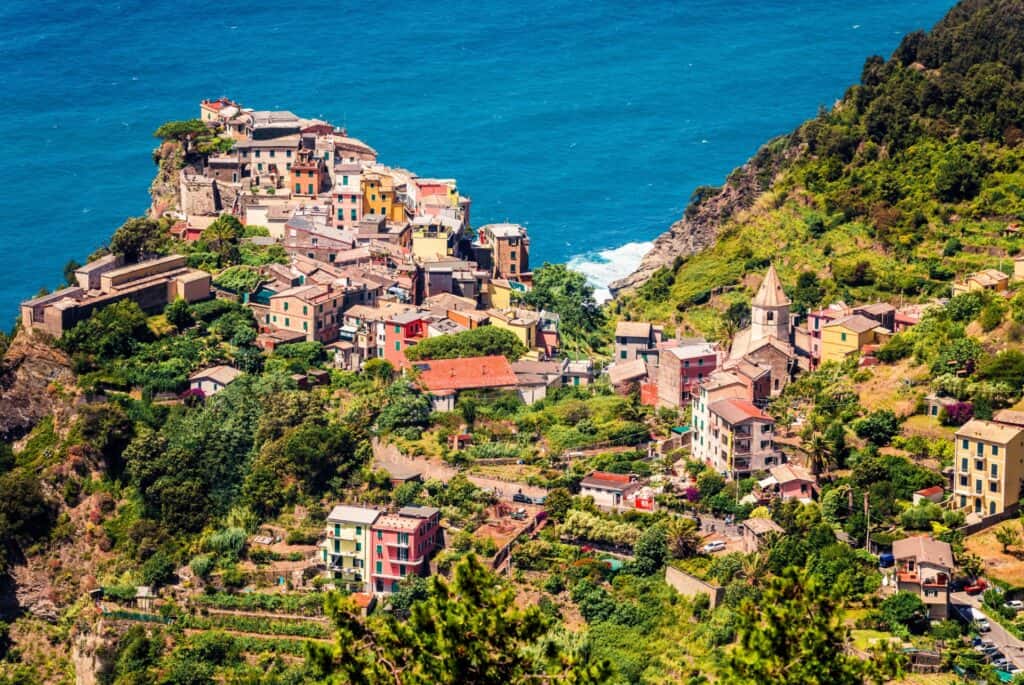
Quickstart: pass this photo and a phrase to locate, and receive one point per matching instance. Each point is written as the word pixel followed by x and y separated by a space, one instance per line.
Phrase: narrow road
pixel 386 455
pixel 1007 643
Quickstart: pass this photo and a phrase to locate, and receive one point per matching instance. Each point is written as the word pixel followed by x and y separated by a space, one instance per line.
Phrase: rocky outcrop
pixel 34 376
pixel 164 191
pixel 700 226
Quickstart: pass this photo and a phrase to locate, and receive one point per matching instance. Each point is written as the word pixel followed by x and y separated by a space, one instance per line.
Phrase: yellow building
pixel 987 279
pixel 379 197
pixel 499 294
pixel 844 338
pixel 989 462
pixel 522 322
pixel 346 547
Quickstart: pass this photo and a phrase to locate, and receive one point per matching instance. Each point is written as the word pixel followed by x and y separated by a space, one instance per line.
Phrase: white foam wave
pixel 604 266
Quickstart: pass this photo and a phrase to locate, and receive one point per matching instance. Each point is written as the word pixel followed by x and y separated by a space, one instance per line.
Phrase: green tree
pixel 651 550
pixel 468 630
pixel 683 537
pixel 903 609
pixel 557 503
pixel 111 332
pixel 478 342
pixel 179 314
pixel 795 635
pixel 558 289
pixel 140 237
pixel 878 427
pixel 1008 537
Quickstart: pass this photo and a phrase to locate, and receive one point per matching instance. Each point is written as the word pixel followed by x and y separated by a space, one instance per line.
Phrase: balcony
pixel 396 543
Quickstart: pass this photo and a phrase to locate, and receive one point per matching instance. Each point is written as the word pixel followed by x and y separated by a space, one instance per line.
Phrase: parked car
pixel 984 626
pixel 959 584
pixel 713 546
pixel 977 587
pixel 1015 604
pixel 521 498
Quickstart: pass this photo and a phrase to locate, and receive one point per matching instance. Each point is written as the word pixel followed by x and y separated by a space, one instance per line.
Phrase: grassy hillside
pixel 908 182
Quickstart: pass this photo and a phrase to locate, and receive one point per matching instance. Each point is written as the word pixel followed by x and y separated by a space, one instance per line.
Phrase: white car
pixel 713 546
pixel 1015 604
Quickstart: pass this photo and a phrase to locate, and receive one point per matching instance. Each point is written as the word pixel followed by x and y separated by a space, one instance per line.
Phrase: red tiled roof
pixel 927 492
pixel 465 373
pixel 736 410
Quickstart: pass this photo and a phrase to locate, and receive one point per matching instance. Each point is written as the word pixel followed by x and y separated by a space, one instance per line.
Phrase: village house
pixel 756 533
pixel 610 490
pixel 402 545
pixel 845 338
pixel 520 322
pixel 213 379
pixel 151 284
pixel 310 310
pixel 790 481
pixel 444 379
pixel 992 280
pixel 989 462
pixel 924 567
pixel 503 249
pixel 346 547
pixel 681 368
pixel 740 438
pixel 935 493
pixel 402 331
pixel 634 338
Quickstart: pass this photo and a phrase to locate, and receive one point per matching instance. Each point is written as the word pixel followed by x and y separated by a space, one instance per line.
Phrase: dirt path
pixel 385 455
pixel 262 636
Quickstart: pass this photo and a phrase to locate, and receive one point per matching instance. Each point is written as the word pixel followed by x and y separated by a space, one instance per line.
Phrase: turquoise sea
pixel 589 122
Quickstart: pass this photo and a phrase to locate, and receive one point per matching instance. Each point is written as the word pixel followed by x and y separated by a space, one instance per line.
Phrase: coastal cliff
pixel 709 209
pixel 31 373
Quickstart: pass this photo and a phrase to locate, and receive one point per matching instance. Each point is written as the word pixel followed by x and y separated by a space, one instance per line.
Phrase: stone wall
pixel 688 585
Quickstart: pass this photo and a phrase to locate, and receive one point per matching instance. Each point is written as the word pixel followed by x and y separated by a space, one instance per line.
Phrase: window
pixel 977 486
pixel 512 268
pixel 686 364
pixel 622 354
pixel 991 508
pixel 512 256
pixel 398 346
pixel 993 486
pixel 979 465
pixel 359 547
pixel 373 197
pixel 994 471
pixel 288 153
pixel 257 154
pixel 337 530
pixel 259 167
pixel 380 535
pixel 305 325
pixel 341 214
pixel 401 571
pixel 298 187
pixel 963 481
pixel 344 180
pixel 403 538
pixel 965 444
pixel 271 153
pixel 310 186
pixel 353 216
pixel 380 550
pixel 842 336
pixel 771 316
pixel 286 305
pixel 305 310
pixel 963 501
pixel 398 329
pixel 981 450
pixel 963 464
pixel 995 450
pixel 380 567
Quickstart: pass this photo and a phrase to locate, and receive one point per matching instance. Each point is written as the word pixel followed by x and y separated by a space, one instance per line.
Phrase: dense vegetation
pixel 907 183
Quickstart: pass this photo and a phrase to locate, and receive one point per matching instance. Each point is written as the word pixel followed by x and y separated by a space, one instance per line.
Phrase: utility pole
pixel 867 523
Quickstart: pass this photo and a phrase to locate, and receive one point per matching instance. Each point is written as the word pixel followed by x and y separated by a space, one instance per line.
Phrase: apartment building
pixel 682 368
pixel 402 546
pixel 989 461
pixel 924 568
pixel 346 546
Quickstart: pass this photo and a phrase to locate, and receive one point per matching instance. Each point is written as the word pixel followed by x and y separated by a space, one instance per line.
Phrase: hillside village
pixel 306 422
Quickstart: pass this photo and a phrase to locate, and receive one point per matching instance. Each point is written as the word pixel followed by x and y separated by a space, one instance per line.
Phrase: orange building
pixel 307 175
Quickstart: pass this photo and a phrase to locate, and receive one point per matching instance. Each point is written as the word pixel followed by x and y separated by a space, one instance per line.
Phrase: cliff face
pixel 30 373
pixel 700 226
pixel 164 190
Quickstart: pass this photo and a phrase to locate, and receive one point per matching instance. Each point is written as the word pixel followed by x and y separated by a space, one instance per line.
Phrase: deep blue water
pixel 590 123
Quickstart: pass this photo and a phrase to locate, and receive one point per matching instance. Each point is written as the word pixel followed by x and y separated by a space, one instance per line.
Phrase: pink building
pixel 402 545
pixel 682 367
pixel 816 321
pixel 792 481
pixel 401 332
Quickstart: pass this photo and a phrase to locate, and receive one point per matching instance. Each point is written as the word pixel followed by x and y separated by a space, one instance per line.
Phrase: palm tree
pixel 819 453
pixel 683 537
pixel 755 568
